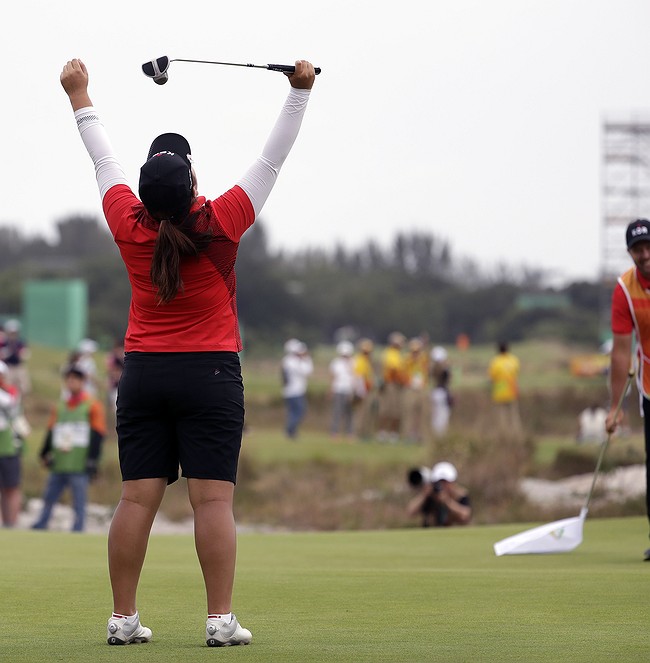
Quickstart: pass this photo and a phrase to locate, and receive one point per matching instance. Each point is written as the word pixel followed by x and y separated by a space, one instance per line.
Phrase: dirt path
pixel 619 485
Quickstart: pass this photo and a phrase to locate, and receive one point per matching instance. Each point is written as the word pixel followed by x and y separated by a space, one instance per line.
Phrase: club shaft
pixel 286 68
pixel 229 64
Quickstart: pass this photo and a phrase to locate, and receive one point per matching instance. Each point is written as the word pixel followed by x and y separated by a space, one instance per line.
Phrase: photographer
pixel 440 500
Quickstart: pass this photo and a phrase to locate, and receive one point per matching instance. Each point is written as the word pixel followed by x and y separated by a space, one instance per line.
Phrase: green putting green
pixel 400 595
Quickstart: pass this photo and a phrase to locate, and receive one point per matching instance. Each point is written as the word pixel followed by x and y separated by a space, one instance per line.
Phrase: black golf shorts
pixel 180 408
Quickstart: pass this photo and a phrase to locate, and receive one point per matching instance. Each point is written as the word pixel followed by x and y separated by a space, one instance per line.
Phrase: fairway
pixel 400 595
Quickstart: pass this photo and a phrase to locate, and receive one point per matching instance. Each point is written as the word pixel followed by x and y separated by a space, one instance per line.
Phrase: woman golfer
pixel 181 394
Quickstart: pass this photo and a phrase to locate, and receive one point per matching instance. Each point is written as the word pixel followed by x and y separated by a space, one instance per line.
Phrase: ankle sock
pixel 224 616
pixel 129 618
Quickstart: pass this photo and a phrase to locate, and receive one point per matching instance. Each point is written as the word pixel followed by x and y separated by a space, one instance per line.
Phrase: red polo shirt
pixel 203 315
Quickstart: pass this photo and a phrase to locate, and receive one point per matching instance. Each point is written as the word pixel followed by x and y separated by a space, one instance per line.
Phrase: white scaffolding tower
pixel 625 186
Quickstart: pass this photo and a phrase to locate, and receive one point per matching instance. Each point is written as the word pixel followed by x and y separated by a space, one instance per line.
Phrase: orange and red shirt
pixel 622 320
pixel 631 312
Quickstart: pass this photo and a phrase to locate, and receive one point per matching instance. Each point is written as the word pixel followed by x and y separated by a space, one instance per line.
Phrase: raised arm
pixel 74 79
pixel 261 176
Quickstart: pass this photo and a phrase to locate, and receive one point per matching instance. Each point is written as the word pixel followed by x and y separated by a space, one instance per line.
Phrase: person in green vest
pixel 72 447
pixel 10 451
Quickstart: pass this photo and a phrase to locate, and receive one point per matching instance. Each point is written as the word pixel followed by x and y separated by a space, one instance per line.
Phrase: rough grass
pixel 417 596
pixel 317 483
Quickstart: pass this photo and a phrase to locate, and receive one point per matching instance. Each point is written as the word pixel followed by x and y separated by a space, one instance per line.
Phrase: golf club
pixel 157 69
pixel 561 535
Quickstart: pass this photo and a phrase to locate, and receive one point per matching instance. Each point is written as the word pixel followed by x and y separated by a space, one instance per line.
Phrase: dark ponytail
pixel 174 242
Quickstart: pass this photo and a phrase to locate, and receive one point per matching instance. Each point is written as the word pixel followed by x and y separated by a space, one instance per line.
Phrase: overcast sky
pixel 477 121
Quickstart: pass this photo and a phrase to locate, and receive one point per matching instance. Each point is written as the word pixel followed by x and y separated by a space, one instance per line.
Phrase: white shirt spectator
pixel 296 370
pixel 343 377
pixel 591 425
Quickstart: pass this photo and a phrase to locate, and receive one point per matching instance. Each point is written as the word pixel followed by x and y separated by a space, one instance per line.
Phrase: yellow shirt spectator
pixel 364 371
pixel 504 373
pixel 416 369
pixel 393 366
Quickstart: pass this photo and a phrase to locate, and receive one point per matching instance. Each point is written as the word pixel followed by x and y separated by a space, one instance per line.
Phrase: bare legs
pixel 215 539
pixel 10 499
pixel 128 538
pixel 214 533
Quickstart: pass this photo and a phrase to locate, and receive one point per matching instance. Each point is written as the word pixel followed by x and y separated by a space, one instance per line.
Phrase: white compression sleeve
pixel 261 176
pixel 107 168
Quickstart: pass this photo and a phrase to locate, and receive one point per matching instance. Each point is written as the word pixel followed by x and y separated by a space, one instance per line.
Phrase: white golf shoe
pixel 126 631
pixel 220 634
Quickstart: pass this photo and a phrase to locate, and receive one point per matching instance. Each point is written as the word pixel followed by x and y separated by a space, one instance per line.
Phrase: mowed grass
pixel 403 595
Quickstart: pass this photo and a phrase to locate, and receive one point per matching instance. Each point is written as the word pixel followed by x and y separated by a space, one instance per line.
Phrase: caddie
pixel 631 318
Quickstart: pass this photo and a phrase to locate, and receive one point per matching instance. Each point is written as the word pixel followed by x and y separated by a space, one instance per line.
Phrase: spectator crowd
pixel 398 394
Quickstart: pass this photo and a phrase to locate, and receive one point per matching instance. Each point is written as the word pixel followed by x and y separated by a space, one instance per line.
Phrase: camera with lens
pixel 418 476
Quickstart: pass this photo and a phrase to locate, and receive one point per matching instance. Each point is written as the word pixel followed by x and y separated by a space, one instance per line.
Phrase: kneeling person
pixel 441 501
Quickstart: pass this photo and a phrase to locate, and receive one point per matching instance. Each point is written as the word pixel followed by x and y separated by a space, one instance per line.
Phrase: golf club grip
pixel 288 68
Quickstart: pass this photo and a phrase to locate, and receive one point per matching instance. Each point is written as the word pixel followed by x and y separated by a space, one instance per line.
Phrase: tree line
pixel 417 285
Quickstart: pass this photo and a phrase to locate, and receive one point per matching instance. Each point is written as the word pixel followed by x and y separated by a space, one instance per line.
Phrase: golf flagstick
pixel 605 444
pixel 561 535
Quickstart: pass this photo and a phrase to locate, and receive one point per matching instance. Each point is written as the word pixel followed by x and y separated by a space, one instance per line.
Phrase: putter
pixel 157 69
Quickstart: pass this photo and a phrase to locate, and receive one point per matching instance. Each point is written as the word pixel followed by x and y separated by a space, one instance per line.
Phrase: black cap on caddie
pixel 166 177
pixel 637 231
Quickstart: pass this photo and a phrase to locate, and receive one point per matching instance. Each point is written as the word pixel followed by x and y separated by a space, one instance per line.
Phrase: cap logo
pixel 157 154
pixel 639 230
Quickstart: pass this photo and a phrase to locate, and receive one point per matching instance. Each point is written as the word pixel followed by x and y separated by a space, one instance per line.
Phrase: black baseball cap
pixel 637 231
pixel 166 177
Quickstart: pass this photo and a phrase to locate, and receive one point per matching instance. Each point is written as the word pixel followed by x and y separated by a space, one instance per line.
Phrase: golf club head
pixel 157 69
